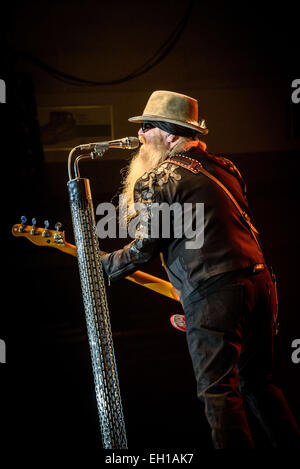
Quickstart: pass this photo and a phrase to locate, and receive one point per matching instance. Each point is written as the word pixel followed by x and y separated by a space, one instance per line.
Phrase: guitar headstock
pixel 43 236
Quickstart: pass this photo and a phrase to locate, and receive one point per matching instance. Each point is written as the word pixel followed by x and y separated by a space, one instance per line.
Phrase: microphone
pixel 126 143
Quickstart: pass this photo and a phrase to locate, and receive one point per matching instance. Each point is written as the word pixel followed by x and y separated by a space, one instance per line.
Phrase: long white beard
pixel 147 157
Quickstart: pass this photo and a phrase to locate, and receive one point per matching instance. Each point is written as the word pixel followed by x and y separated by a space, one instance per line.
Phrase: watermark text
pixel 2 351
pixel 296 353
pixel 295 96
pixel 2 91
pixel 153 220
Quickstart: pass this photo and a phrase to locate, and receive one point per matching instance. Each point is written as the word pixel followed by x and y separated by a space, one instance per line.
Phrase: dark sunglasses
pixel 147 125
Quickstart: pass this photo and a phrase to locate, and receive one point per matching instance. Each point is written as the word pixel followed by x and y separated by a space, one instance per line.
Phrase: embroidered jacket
pixel 196 250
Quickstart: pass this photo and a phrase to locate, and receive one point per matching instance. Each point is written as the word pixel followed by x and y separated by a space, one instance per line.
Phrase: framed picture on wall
pixel 64 127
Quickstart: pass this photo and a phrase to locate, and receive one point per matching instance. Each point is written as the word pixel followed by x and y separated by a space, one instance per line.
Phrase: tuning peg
pixel 46 232
pixel 23 221
pixel 58 226
pixel 58 238
pixel 33 231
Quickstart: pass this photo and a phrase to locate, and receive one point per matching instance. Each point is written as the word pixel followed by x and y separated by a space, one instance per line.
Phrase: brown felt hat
pixel 168 106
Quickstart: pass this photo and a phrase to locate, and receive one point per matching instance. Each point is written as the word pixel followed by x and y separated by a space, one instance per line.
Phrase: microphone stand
pixel 92 155
pixel 110 412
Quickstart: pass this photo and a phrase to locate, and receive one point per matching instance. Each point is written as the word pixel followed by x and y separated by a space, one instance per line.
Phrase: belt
pixel 216 282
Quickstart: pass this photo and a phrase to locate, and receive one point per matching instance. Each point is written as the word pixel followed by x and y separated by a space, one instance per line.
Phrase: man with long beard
pixel 224 285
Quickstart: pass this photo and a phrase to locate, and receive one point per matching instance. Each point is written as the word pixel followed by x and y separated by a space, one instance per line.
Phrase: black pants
pixel 230 340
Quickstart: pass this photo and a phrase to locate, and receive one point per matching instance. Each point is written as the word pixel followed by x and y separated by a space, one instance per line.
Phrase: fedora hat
pixel 176 108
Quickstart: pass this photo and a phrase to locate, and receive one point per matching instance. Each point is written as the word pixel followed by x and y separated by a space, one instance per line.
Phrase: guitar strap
pixel 196 167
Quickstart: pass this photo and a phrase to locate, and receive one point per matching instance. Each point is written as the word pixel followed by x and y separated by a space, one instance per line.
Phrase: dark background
pixel 239 62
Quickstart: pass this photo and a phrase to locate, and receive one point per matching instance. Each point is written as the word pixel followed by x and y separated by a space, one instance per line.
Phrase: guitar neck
pixel 141 278
pixel 56 239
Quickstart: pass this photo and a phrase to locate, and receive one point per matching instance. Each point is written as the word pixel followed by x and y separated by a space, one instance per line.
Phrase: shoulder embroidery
pixel 157 177
pixel 149 184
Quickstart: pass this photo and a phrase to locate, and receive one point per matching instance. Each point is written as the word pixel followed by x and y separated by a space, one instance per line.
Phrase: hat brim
pixel 148 117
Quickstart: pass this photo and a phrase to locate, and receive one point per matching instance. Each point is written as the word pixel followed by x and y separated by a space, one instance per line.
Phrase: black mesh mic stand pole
pixel 96 312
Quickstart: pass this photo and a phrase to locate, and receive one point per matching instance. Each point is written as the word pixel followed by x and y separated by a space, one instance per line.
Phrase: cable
pixel 157 57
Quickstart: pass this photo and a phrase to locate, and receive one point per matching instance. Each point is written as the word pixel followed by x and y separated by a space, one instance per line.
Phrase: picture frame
pixel 64 127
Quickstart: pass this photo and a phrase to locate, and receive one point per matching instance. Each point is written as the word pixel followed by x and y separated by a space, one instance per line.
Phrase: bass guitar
pixel 56 239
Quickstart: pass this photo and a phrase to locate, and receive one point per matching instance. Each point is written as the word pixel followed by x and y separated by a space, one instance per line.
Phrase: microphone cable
pixel 156 58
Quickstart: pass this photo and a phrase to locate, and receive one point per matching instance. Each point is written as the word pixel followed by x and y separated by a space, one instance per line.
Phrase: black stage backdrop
pixel 46 380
